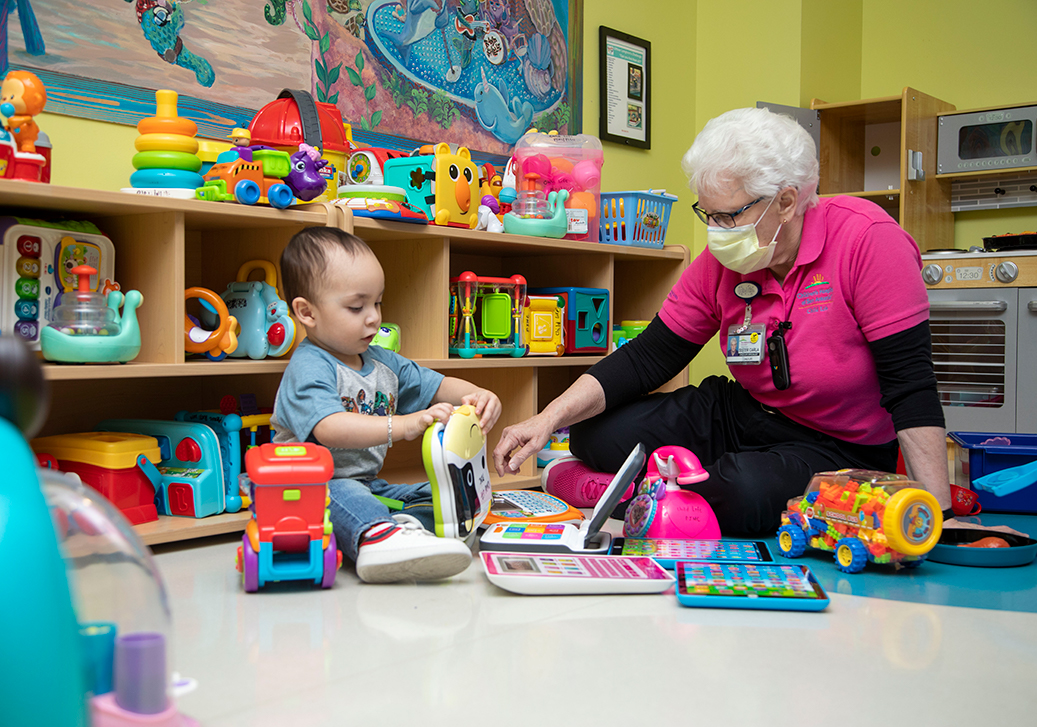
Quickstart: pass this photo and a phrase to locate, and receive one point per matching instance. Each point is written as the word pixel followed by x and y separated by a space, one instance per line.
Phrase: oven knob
pixel 932 274
pixel 1006 272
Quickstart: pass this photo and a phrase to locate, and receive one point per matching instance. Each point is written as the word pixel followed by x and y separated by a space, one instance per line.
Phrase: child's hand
pixel 487 408
pixel 412 426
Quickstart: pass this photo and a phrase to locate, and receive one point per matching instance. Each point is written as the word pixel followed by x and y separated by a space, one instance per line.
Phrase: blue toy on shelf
pixel 190 479
pixel 265 328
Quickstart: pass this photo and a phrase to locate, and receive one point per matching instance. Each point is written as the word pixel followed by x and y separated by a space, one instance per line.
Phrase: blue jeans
pixel 354 508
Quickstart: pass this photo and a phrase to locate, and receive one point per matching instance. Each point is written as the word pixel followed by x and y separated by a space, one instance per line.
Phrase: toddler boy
pixel 356 399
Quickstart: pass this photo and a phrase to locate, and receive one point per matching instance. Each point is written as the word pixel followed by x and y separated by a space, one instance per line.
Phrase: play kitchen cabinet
pixel 884 150
pixel 164 246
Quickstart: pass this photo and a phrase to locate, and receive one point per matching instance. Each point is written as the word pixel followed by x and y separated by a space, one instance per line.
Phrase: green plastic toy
pixel 557 225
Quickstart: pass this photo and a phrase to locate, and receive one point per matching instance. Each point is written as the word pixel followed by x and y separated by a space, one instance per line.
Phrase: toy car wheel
pixel 911 564
pixel 250 565
pixel 792 541
pixel 913 521
pixel 330 563
pixel 280 195
pixel 850 555
pixel 246 192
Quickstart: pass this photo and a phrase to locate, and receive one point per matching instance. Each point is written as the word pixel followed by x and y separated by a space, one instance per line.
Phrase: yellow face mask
pixel 738 248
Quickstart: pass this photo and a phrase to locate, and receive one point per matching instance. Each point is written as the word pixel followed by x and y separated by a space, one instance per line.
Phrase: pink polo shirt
pixel 856 279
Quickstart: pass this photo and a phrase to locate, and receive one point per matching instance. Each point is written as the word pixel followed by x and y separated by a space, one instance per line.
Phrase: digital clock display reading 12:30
pixel 971 273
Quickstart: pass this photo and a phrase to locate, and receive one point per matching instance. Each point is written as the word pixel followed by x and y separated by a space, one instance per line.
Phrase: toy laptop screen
pixel 747 580
pixel 631 467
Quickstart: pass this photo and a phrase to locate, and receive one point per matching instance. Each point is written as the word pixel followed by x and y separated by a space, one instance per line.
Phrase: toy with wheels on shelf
pixel 289 537
pixel 264 327
pixel 86 326
pixel 486 315
pixel 22 97
pixel 586 317
pixel 636 218
pixel 862 516
pixel 544 323
pixel 37 258
pixel 216 343
pixel 661 509
pixel 443 184
pixel 260 174
pixel 166 161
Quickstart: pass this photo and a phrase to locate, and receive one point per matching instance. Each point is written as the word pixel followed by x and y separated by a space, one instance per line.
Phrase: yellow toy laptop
pixel 454 455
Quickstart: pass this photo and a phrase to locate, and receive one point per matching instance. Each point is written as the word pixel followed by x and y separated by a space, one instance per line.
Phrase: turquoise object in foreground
pixel 121 347
pixel 554 226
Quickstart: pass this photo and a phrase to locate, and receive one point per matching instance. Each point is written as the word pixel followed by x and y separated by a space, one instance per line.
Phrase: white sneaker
pixel 407 552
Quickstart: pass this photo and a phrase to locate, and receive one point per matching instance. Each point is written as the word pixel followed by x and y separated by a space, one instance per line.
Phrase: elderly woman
pixel 822 314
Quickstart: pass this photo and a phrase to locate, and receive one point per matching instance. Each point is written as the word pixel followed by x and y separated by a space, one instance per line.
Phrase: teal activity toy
pixel 486 315
pixel 554 225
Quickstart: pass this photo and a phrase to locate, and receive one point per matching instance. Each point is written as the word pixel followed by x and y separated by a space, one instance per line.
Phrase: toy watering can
pixel 661 509
pixel 264 326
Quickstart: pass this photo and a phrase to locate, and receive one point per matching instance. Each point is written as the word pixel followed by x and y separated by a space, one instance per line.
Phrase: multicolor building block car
pixel 862 516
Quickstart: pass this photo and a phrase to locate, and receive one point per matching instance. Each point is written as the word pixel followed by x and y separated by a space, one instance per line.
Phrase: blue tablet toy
pixel 749 585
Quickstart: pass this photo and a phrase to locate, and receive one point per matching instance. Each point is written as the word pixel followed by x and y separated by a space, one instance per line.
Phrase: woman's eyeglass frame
pixel 723 219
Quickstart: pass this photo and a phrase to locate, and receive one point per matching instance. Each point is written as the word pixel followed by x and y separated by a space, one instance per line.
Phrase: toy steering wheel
pixel 199 340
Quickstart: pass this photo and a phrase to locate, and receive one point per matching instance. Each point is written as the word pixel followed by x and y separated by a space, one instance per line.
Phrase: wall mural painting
pixel 399 70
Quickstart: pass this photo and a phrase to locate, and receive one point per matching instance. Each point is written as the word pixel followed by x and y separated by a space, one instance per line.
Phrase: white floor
pixel 463 652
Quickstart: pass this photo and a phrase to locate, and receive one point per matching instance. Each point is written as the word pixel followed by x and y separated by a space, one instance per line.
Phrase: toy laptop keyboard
pixel 530 537
pixel 749 585
pixel 667 552
pixel 530 507
pixel 544 574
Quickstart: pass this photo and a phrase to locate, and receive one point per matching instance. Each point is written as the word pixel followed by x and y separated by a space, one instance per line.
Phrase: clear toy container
pixel 83 311
pixel 546 163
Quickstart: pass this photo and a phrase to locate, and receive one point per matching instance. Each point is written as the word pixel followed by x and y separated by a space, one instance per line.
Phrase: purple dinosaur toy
pixel 305 179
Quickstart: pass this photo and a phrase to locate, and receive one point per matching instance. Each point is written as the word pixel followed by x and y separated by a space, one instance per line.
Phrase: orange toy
pixel 22 96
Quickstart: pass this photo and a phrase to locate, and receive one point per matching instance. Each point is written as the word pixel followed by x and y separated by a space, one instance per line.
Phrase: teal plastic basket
pixel 635 218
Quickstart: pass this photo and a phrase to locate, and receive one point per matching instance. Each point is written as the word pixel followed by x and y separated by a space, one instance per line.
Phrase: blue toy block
pixel 587 328
pixel 191 479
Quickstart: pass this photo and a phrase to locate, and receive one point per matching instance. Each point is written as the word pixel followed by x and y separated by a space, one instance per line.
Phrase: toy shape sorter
pixel 587 327
pixel 36 261
pixel 546 163
pixel 486 315
pixel 289 537
pixel 110 462
pixel 544 324
pixel 265 327
pixel 862 516
pixel 189 476
pixel 444 185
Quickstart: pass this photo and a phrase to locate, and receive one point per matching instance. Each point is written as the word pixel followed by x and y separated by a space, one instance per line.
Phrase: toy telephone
pixel 454 454
pixel 661 509
pixel 587 538
pixel 264 326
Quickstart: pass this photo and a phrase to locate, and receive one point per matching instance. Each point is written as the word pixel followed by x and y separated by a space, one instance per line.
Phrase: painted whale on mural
pixel 492 109
pixel 420 21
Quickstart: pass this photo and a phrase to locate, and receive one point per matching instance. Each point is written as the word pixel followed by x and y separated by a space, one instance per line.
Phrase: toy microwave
pixel 993 138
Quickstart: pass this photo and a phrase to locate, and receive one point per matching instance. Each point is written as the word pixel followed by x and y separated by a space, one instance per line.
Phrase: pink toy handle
pixel 688 464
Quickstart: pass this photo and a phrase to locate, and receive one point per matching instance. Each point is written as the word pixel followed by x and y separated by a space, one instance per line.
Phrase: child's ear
pixel 304 312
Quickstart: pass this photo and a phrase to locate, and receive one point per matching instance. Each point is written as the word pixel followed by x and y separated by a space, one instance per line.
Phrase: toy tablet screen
pixel 666 551
pixel 747 580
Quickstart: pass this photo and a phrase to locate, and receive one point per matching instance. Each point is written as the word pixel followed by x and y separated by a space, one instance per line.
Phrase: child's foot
pixel 570 480
pixel 405 551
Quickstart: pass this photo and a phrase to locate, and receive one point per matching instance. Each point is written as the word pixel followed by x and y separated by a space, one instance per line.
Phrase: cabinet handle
pixel 1032 306
pixel 966 306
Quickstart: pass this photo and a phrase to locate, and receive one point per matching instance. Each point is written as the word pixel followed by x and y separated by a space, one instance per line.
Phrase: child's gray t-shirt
pixel 316 385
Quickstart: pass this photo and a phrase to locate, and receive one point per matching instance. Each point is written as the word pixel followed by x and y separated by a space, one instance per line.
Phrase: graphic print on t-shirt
pixel 383 403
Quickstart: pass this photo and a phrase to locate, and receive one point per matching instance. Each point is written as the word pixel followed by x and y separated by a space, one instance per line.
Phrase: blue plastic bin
pixel 635 218
pixel 975 459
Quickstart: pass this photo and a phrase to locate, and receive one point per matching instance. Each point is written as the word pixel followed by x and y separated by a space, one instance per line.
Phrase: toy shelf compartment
pixel 165 245
pixel 635 218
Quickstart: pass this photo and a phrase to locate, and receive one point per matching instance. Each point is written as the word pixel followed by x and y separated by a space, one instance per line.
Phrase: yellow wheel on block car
pixel 912 522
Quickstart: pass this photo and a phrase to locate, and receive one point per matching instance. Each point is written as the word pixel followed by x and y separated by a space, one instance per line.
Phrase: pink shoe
pixel 569 479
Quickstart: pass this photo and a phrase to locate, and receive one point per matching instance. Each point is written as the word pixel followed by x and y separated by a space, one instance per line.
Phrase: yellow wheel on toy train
pixel 912 522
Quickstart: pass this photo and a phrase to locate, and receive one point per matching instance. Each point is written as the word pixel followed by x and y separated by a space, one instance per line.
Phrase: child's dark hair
pixel 304 261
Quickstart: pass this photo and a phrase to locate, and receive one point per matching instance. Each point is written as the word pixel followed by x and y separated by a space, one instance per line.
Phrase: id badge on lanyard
pixel 745 342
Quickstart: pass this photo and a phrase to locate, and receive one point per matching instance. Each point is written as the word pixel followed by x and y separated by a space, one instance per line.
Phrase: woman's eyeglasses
pixel 722 219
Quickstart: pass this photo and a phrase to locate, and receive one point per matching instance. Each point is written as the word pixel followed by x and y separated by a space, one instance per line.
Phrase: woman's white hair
pixel 757 149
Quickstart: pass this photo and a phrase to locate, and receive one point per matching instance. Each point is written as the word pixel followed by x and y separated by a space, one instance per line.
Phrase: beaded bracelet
pixel 389 427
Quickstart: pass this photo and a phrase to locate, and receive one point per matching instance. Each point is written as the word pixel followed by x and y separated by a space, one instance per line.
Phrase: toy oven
pixel 983 315
pixel 987 139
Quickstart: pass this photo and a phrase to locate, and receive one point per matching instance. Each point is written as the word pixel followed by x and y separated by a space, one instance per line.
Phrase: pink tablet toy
pixel 662 509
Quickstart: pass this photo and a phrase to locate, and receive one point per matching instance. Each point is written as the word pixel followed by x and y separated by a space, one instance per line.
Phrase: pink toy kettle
pixel 662 509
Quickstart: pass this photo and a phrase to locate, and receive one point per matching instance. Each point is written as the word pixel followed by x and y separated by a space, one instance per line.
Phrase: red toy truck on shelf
pixel 862 516
pixel 289 537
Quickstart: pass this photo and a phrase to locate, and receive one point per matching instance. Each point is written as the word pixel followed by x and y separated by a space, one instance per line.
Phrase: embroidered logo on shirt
pixel 816 296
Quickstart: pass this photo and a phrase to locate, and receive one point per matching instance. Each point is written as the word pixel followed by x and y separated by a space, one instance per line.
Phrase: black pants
pixel 757 459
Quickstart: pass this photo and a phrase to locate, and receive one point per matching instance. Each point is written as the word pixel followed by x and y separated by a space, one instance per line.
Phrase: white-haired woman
pixel 822 314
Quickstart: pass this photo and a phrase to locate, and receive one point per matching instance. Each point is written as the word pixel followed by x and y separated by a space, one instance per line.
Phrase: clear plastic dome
pixel 85 313
pixel 118 595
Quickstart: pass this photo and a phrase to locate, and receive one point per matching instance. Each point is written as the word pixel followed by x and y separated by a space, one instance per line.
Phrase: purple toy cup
pixel 140 673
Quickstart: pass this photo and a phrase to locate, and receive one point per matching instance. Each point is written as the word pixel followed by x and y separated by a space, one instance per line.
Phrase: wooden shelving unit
pixel 922 206
pixel 164 246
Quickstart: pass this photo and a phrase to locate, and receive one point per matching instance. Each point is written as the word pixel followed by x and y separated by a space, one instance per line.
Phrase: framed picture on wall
pixel 625 77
